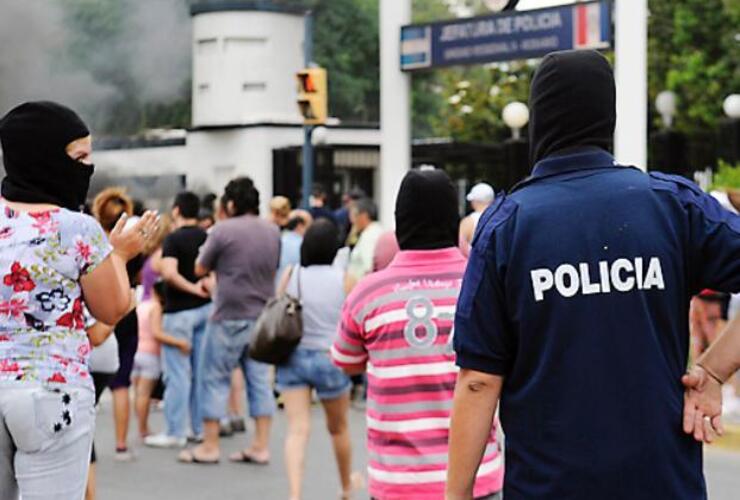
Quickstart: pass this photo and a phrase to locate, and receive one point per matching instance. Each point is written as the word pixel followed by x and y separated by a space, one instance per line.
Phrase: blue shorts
pixel 307 368
pixel 226 347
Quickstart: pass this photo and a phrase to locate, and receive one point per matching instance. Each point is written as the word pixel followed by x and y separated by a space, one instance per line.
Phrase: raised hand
pixel 128 243
pixel 702 408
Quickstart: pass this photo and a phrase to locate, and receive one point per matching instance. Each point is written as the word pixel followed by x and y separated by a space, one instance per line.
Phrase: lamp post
pixel 665 103
pixel 516 149
pixel 729 130
pixel 732 106
pixel 668 146
pixel 516 116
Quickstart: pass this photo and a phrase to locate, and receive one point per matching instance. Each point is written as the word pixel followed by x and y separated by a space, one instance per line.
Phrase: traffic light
pixel 312 95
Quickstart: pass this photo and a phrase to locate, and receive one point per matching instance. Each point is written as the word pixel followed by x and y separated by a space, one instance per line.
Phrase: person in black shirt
pixel 187 306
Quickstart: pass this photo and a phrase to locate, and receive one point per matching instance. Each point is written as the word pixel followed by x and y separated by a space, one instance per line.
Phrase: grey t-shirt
pixel 322 296
pixel 244 251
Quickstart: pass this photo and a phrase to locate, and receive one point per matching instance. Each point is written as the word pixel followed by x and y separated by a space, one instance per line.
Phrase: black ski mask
pixel 426 211
pixel 572 104
pixel 34 137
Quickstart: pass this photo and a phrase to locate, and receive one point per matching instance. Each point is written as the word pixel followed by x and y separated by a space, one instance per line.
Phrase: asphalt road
pixel 156 475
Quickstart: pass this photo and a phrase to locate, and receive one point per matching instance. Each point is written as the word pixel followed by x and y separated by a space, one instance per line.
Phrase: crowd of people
pixel 566 300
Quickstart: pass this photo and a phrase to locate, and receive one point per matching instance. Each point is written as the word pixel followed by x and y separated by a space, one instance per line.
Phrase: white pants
pixel 45 440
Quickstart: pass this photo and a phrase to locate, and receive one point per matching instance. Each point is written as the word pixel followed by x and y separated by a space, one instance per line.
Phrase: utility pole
pixel 307 129
pixel 395 107
pixel 630 138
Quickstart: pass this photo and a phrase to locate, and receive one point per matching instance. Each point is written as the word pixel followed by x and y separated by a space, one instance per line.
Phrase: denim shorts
pixel 226 347
pixel 147 366
pixel 309 368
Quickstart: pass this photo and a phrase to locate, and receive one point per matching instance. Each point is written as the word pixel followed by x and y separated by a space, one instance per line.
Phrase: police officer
pixel 574 309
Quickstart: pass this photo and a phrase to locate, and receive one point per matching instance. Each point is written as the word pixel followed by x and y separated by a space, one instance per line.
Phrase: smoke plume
pixel 44 54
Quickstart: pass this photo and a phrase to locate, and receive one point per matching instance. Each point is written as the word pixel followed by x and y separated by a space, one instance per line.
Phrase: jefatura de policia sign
pixel 507 36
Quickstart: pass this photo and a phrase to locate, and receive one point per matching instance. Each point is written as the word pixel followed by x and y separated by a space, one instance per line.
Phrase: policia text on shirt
pixel 622 275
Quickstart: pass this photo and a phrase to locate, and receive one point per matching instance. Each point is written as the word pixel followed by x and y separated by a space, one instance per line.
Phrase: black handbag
pixel 278 329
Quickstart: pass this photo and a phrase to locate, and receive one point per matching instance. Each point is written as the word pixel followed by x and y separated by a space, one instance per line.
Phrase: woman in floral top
pixel 54 261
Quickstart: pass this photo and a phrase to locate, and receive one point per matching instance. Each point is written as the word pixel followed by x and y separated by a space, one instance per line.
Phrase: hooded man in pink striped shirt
pixel 397 324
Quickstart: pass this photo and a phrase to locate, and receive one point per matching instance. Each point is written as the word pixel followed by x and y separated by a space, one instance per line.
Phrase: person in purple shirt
pixel 243 252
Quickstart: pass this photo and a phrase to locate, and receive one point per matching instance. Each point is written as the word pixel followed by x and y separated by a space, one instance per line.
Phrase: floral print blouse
pixel 43 255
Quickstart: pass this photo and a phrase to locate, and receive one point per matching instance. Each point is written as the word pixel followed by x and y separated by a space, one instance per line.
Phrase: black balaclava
pixel 572 103
pixel 426 211
pixel 34 137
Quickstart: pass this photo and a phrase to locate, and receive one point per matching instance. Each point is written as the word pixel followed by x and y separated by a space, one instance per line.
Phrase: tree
pixel 346 44
pixel 694 52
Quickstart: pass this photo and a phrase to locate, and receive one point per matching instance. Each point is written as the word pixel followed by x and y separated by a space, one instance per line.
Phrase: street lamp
pixel 319 136
pixel 516 116
pixel 732 106
pixel 665 103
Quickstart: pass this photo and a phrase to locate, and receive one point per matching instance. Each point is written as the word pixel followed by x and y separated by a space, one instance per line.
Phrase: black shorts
pixel 127 334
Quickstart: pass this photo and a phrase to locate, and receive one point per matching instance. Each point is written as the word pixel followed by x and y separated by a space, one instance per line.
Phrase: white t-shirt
pixel 322 296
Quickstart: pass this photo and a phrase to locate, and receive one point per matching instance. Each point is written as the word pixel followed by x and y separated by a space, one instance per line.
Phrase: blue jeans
pixel 181 372
pixel 226 346
pixel 313 369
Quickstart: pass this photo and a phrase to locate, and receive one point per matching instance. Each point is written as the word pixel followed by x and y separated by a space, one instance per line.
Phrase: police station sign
pixel 507 36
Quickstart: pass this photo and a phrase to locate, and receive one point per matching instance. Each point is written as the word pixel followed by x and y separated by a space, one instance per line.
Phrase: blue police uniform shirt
pixel 577 292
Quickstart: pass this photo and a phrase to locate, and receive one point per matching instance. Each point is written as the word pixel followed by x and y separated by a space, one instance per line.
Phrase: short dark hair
pixel 188 203
pixel 294 222
pixel 319 191
pixel 320 244
pixel 244 196
pixel 366 205
pixel 207 200
pixel 356 194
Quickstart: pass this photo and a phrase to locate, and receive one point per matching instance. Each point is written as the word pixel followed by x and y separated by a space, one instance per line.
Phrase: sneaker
pixel 165 441
pixel 124 455
pixel 238 425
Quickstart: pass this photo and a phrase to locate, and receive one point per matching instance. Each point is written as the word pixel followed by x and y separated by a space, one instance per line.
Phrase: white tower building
pixel 244 56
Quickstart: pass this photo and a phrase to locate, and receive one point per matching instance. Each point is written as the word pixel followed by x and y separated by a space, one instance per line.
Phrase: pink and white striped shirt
pixel 399 322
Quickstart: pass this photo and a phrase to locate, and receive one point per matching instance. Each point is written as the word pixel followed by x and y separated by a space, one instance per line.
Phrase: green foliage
pixel 474 99
pixel 726 177
pixel 346 44
pixel 693 52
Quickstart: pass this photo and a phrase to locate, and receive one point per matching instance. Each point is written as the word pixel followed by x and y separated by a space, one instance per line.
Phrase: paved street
pixel 156 475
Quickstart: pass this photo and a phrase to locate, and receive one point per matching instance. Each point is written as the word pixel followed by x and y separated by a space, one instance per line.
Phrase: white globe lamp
pixel 732 106
pixel 319 136
pixel 665 103
pixel 516 116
